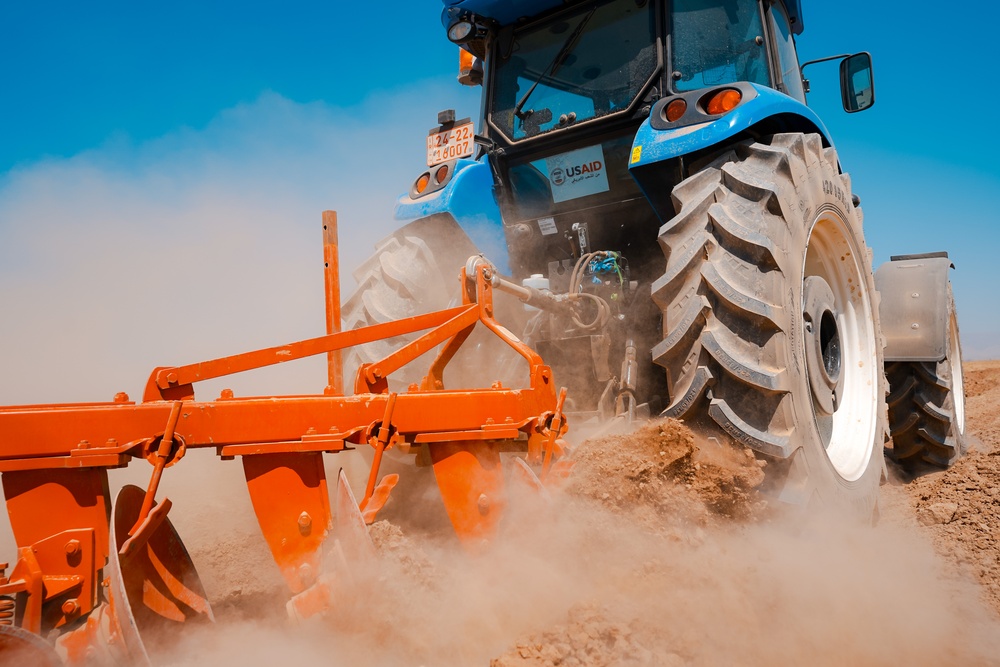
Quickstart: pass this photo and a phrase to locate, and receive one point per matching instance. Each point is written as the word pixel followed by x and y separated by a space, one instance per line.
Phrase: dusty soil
pixel 960 507
pixel 659 551
pixel 668 477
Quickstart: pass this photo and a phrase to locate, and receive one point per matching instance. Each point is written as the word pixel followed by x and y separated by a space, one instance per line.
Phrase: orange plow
pixel 103 582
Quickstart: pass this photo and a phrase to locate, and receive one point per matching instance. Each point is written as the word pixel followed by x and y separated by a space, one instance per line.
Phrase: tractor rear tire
pixel 770 320
pixel 927 404
pixel 416 271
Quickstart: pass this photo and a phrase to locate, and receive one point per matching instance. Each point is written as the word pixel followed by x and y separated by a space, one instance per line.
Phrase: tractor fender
pixel 468 197
pixel 914 309
pixel 658 140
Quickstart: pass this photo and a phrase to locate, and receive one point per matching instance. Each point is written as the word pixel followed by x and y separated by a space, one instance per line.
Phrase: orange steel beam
pixel 166 378
pixel 116 429
pixel 331 284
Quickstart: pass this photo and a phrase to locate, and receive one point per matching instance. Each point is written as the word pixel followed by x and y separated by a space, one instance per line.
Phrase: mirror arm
pixel 823 60
pixel 802 67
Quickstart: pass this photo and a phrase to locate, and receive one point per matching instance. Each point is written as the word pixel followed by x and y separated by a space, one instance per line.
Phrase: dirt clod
pixel 667 476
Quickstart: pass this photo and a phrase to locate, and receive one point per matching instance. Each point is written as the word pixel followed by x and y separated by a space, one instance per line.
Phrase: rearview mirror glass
pixel 857 86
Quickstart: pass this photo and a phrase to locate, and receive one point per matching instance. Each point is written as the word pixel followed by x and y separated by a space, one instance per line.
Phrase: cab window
pixel 791 76
pixel 716 42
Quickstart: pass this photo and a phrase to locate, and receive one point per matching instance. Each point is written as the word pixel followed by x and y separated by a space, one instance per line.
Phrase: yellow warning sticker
pixel 636 154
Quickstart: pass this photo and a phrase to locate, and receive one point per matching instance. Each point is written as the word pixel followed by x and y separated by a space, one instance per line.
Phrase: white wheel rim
pixel 957 375
pixel 849 434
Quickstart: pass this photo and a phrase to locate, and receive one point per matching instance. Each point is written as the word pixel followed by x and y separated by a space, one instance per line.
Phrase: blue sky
pixel 169 162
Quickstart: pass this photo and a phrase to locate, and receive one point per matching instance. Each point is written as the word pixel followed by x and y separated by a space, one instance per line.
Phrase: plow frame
pixel 54 459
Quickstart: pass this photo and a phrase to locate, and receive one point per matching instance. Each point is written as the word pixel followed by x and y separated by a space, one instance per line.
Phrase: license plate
pixel 451 144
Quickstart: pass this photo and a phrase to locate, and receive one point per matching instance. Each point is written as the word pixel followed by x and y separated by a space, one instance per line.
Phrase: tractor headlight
pixel 461 30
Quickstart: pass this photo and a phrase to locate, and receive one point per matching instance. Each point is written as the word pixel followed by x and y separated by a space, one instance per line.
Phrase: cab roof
pixel 506 12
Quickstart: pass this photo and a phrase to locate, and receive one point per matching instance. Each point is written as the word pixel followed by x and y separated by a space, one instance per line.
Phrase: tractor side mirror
pixel 857 85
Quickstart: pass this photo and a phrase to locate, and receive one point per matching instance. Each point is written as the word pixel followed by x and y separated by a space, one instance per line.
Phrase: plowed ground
pixel 658 551
pixel 959 509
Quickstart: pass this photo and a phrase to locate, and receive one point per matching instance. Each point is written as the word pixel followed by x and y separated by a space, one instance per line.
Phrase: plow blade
pixel 351 552
pixel 290 498
pixel 470 477
pixel 155 589
pixel 351 539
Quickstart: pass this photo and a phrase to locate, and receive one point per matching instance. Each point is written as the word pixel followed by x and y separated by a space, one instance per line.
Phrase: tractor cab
pixel 566 89
pixel 593 111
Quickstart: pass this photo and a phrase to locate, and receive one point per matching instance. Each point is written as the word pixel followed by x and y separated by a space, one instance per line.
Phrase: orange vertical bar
pixel 331 281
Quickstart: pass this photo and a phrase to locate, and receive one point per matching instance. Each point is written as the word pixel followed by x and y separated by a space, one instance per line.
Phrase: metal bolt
pixel 914 326
pixel 915 295
pixel 306 574
pixel 70 607
pixel 172 378
pixel 226 393
pixel 83 444
pixel 305 523
pixel 484 504
pixel 121 397
pixel 72 547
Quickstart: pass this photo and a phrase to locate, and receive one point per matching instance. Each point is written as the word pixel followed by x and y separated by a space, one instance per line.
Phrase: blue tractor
pixel 646 175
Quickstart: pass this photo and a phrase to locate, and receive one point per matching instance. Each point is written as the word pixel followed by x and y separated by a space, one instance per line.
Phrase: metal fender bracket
pixel 914 307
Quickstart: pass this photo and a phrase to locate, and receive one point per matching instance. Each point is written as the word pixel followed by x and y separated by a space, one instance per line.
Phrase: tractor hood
pixel 506 12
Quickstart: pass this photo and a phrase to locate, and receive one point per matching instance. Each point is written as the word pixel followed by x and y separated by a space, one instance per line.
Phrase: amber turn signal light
pixel 441 174
pixel 724 101
pixel 422 182
pixel 676 109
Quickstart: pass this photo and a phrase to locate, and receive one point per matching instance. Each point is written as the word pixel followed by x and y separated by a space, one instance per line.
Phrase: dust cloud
pixel 202 243
pixel 624 577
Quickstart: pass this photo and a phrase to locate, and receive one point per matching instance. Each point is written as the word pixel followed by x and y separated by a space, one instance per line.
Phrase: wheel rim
pixel 846 355
pixel 957 375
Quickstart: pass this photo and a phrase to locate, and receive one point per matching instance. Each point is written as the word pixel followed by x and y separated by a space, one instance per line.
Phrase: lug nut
pixel 70 607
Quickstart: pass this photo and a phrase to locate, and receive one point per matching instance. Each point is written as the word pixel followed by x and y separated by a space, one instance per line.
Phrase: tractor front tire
pixel 770 320
pixel 927 404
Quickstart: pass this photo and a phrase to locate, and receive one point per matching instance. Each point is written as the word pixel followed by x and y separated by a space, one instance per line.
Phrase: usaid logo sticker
pixel 577 174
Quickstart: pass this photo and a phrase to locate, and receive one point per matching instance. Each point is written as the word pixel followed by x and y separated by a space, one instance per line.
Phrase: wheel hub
pixel 823 346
